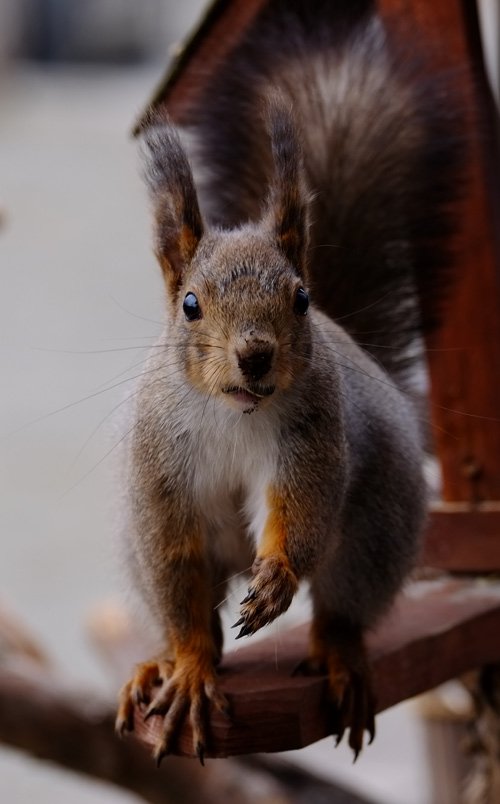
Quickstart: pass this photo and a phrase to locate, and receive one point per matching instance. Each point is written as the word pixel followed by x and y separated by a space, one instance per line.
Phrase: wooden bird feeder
pixel 443 628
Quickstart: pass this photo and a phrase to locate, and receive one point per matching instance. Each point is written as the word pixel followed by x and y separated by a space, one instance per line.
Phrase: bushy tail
pixel 381 157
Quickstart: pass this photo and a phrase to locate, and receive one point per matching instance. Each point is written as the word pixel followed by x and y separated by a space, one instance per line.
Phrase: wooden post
pixel 464 352
pixel 437 631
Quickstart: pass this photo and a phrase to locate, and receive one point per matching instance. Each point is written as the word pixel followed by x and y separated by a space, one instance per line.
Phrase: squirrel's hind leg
pixel 181 682
pixel 337 649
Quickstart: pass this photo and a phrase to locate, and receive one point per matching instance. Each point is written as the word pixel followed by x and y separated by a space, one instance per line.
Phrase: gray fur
pixel 382 150
pixel 313 466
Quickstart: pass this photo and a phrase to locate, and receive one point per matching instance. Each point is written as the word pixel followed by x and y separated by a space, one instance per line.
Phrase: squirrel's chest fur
pixel 233 461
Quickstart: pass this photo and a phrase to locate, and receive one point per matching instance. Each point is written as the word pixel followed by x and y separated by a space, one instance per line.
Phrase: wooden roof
pixel 217 32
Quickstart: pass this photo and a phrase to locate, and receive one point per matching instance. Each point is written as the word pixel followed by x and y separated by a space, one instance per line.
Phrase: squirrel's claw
pixel 351 698
pixel 362 715
pixel 159 756
pixel 354 710
pixel 252 594
pixel 269 595
pixel 174 691
pixel 245 631
pixel 200 753
pixel 125 716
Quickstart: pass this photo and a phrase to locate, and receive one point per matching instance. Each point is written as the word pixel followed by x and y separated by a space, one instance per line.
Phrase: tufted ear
pixel 178 223
pixel 287 211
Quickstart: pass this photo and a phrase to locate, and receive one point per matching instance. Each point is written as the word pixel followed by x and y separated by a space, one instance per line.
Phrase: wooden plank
pixel 464 352
pixel 436 631
pixel 463 539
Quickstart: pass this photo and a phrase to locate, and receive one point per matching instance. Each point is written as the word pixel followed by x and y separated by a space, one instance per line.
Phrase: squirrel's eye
pixel 301 303
pixel 191 307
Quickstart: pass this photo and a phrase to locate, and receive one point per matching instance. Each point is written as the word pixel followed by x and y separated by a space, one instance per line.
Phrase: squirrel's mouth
pixel 249 397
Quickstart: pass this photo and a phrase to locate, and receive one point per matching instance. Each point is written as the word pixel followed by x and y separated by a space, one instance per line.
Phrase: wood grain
pixel 464 351
pixel 461 538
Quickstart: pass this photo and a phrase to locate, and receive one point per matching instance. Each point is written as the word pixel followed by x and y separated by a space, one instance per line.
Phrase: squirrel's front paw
pixel 269 594
pixel 175 690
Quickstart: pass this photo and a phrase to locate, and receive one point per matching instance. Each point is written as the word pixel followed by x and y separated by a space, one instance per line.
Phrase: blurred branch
pixel 16 641
pixel 41 715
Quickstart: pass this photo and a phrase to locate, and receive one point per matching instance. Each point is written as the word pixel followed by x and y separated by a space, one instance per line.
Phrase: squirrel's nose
pixel 255 364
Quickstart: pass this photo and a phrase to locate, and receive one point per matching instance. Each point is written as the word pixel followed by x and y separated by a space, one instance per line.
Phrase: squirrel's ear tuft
pixel 287 210
pixel 178 223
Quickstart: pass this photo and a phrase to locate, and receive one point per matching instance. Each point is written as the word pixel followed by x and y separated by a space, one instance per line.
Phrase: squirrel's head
pixel 238 298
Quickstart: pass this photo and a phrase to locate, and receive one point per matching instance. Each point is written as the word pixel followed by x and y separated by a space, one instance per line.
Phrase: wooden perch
pixel 41 714
pixel 74 730
pixel 436 631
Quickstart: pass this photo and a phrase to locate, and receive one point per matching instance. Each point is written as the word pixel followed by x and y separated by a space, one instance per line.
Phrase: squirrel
pixel 273 427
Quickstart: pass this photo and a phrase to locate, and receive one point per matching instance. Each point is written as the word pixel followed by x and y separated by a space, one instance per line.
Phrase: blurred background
pixel 80 301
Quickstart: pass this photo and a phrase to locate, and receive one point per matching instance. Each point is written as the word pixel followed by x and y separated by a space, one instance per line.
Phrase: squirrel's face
pixel 237 299
pixel 241 320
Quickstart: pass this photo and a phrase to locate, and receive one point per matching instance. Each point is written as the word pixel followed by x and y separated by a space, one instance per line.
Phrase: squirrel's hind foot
pixel 139 690
pixel 174 691
pixel 337 649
